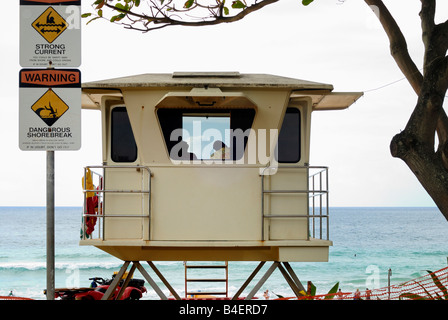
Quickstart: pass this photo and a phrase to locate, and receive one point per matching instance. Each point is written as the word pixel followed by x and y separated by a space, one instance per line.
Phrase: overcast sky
pixel 331 41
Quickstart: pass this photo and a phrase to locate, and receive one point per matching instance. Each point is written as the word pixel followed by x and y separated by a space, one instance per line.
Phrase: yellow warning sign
pixel 50 107
pixel 50 24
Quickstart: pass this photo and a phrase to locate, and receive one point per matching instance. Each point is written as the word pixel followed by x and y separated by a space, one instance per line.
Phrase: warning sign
pixel 50 24
pixel 50 109
pixel 50 31
pixel 49 78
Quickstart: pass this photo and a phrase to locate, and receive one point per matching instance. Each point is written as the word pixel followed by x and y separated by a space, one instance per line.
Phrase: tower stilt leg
pixel 150 281
pixel 115 282
pixel 246 283
pixel 287 272
pixel 262 280
pixel 162 278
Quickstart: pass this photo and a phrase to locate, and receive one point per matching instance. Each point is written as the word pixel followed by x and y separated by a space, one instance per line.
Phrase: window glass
pixel 123 146
pixel 208 137
pixel 205 134
pixel 288 146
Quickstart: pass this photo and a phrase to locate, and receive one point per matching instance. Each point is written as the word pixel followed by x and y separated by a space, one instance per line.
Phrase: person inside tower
pixel 221 150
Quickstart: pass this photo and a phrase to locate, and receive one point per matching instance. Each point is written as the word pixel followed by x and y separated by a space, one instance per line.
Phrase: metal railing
pixel 100 192
pixel 317 192
pixel 318 200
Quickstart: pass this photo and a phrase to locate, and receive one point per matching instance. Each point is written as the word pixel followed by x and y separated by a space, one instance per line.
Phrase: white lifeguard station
pixel 208 167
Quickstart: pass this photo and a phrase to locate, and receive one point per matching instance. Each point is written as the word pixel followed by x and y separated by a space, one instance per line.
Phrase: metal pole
pixel 389 274
pixel 50 225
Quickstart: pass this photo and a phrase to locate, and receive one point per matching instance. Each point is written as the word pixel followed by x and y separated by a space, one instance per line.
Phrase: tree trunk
pixel 415 145
pixel 426 165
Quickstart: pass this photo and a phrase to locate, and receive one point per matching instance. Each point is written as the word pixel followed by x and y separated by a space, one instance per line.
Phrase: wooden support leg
pixel 254 273
pixel 165 282
pixel 287 272
pixel 126 282
pixel 290 281
pixel 262 280
pixel 113 286
pixel 150 280
pixel 294 276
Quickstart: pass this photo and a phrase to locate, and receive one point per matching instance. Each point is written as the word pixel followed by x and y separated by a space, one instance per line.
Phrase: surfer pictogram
pixel 50 107
pixel 50 24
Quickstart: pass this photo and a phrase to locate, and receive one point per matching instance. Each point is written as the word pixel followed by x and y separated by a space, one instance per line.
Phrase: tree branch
pixel 427 15
pixel 398 45
pixel 161 19
pixel 441 41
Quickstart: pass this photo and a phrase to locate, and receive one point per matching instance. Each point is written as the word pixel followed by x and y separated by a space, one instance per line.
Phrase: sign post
pixel 49 99
pixel 50 226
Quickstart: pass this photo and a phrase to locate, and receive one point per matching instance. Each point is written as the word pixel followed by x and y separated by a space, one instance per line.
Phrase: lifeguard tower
pixel 208 167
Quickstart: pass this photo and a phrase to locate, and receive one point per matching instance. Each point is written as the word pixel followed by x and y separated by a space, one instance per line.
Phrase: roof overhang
pixel 323 100
pixel 207 79
pixel 321 94
pixel 91 97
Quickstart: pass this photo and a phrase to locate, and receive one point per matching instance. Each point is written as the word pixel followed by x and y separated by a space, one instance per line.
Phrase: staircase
pixel 203 268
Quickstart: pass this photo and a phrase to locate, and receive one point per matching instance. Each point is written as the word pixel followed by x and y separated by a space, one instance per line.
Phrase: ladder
pixel 197 266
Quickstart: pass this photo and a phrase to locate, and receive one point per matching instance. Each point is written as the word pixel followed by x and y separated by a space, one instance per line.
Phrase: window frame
pixel 298 138
pixel 113 157
pixel 172 118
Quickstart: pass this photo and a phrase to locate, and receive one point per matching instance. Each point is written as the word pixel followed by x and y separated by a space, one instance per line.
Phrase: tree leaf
pixel 119 6
pixel 306 2
pixel 278 295
pixel 411 296
pixel 311 291
pixel 438 283
pixel 332 291
pixel 92 20
pixel 100 4
pixel 188 4
pixel 238 5
pixel 118 17
pixel 85 15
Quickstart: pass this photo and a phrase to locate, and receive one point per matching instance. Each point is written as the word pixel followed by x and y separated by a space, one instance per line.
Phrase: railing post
pixel 149 205
pixel 314 206
pixel 314 188
pixel 328 205
pixel 262 207
pixel 101 191
pixel 320 203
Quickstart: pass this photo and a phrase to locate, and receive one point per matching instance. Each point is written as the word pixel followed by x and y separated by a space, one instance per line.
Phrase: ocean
pixel 367 243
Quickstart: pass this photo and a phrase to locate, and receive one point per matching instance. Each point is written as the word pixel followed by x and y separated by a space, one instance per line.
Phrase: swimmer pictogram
pixel 50 24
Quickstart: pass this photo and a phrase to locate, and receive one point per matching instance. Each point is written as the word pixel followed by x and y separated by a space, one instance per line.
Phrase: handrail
pixel 312 192
pixel 316 189
pixel 102 191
